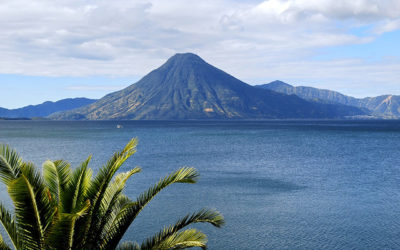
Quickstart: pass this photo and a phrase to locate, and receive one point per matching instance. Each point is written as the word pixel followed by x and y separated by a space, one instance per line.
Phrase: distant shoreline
pixel 14 119
pixel 24 119
pixel 206 120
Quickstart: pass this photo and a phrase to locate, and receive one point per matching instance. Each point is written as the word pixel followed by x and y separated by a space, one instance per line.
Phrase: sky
pixel 55 49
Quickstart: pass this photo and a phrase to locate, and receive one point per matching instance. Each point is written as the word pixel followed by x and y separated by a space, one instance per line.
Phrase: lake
pixel 279 184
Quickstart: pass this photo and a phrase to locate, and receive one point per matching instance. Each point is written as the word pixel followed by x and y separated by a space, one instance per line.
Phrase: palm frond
pixel 65 209
pixel 10 163
pixel 112 202
pixel 128 246
pixel 56 176
pixel 3 245
pixel 61 235
pixel 100 184
pixel 127 214
pixel 108 171
pixel 74 197
pixel 9 225
pixel 181 240
pixel 122 203
pixel 32 206
pixel 27 211
pixel 203 216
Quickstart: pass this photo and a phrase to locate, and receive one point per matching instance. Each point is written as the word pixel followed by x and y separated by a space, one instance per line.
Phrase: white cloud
pixel 363 10
pixel 130 38
pixel 388 26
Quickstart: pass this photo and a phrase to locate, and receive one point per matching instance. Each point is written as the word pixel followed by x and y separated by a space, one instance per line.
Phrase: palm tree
pixel 68 209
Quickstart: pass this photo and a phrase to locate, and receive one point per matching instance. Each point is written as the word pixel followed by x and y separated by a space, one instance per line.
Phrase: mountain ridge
pixel 383 106
pixel 187 87
pixel 46 108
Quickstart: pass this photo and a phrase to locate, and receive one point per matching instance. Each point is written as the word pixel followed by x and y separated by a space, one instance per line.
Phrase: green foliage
pixel 68 209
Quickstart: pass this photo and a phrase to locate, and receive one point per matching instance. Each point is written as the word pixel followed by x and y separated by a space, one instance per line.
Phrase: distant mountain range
pixel 186 87
pixel 45 109
pixel 384 106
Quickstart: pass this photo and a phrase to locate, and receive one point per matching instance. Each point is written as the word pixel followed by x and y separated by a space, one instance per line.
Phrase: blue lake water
pixel 279 184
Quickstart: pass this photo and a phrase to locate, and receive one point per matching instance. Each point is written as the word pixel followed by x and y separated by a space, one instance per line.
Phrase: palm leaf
pixel 9 225
pixel 61 235
pixel 3 245
pixel 203 216
pixel 10 163
pixel 182 240
pixel 123 203
pixel 111 203
pixel 66 209
pixel 100 184
pixel 128 246
pixel 56 176
pixel 74 196
pixel 130 211
pixel 32 206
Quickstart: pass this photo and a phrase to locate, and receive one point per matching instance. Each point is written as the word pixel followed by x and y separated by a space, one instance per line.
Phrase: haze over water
pixel 279 184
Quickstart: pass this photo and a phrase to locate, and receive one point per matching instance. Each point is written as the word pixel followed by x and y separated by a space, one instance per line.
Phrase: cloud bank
pixel 254 40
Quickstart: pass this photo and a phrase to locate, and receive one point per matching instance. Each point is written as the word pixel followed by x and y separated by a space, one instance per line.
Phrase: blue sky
pixel 36 89
pixel 51 50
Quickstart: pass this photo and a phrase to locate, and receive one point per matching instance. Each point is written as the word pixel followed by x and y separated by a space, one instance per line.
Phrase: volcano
pixel 187 87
